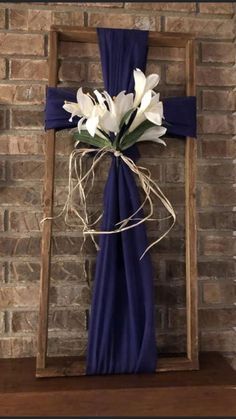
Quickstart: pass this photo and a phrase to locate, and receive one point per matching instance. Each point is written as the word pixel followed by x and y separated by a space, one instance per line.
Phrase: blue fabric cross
pixel 122 327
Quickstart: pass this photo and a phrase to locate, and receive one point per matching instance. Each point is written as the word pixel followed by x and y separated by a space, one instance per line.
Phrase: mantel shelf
pixel 211 391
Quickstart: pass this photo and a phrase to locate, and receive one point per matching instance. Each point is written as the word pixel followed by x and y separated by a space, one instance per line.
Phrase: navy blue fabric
pixel 180 115
pixel 55 116
pixel 179 112
pixel 121 329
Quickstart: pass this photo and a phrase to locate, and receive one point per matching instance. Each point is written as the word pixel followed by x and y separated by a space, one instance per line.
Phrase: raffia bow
pixel 82 179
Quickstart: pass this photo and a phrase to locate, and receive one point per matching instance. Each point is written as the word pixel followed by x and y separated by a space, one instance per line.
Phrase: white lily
pixel 151 108
pixel 153 134
pixel 117 108
pixel 142 84
pixel 72 108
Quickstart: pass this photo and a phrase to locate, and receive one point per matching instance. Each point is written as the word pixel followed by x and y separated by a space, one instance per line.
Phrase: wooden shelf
pixel 209 391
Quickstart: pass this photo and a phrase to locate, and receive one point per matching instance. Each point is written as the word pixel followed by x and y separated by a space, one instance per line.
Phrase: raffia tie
pixel 82 178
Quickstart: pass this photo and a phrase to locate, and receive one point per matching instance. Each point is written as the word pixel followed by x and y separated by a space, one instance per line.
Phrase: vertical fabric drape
pixel 121 327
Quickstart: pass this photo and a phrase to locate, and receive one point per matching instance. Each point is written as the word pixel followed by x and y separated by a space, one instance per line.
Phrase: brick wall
pixel 23 73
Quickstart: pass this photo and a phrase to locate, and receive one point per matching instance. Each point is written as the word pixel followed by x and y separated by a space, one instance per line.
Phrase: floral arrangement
pixel 121 121
pixel 112 125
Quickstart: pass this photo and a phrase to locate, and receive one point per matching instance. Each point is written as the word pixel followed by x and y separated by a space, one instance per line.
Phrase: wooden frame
pixel 46 367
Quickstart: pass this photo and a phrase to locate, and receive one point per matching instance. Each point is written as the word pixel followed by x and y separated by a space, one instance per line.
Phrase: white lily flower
pixel 72 108
pixel 151 108
pixel 153 134
pixel 117 108
pixel 86 104
pixel 142 84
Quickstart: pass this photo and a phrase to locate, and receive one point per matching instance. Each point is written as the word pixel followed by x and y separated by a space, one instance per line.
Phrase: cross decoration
pixel 121 326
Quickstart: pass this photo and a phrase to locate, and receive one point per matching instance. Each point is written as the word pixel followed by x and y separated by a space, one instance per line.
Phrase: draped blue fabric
pixel 179 112
pixel 121 327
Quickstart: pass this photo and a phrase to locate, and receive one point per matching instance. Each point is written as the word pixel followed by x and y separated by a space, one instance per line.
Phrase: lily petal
pixel 152 81
pixel 139 86
pixel 81 121
pixel 91 125
pixel 153 134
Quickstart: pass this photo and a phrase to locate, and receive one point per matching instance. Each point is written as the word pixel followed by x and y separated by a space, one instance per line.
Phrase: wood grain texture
pixel 207 392
pixel 48 212
pixel 175 363
pixel 190 220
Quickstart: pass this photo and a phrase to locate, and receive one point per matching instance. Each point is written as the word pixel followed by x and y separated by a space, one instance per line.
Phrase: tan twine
pixel 83 178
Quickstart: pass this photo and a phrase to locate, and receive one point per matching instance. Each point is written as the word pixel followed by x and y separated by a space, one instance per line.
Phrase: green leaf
pixel 131 138
pixel 126 117
pixel 95 141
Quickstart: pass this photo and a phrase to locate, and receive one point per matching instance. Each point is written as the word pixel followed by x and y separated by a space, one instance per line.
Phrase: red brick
pixel 224 220
pixel 72 71
pixel 95 73
pixel 153 67
pixel 216 76
pixel 19 296
pixel 217 195
pixel 123 20
pixel 212 293
pixel 23 246
pixel 72 295
pixel 217 173
pixel 27 119
pixel 78 50
pixel 18 19
pixel 218 100
pixel 214 319
pixel 24 44
pixel 66 346
pixel 213 245
pixel 22 94
pixel 39 20
pixel 28 69
pixel 169 7
pixel 71 18
pixel 2 68
pixel 175 269
pixel 67 270
pixel 20 196
pixel 214 269
pixel 218 149
pixel 23 272
pixel 16 347
pixel 27 321
pixel 2 19
pixel 72 245
pixel 27 170
pixel 215 28
pixel 224 341
pixel 101 5
pixel 215 124
pixel 177 318
pixel 175 73
pixel 216 8
pixel 166 54
pixel 172 342
pixel 174 172
pixel 21 143
pixel 218 52
pixel 30 20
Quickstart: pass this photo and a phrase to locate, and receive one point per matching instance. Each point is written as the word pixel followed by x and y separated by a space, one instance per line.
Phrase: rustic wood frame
pixel 66 366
